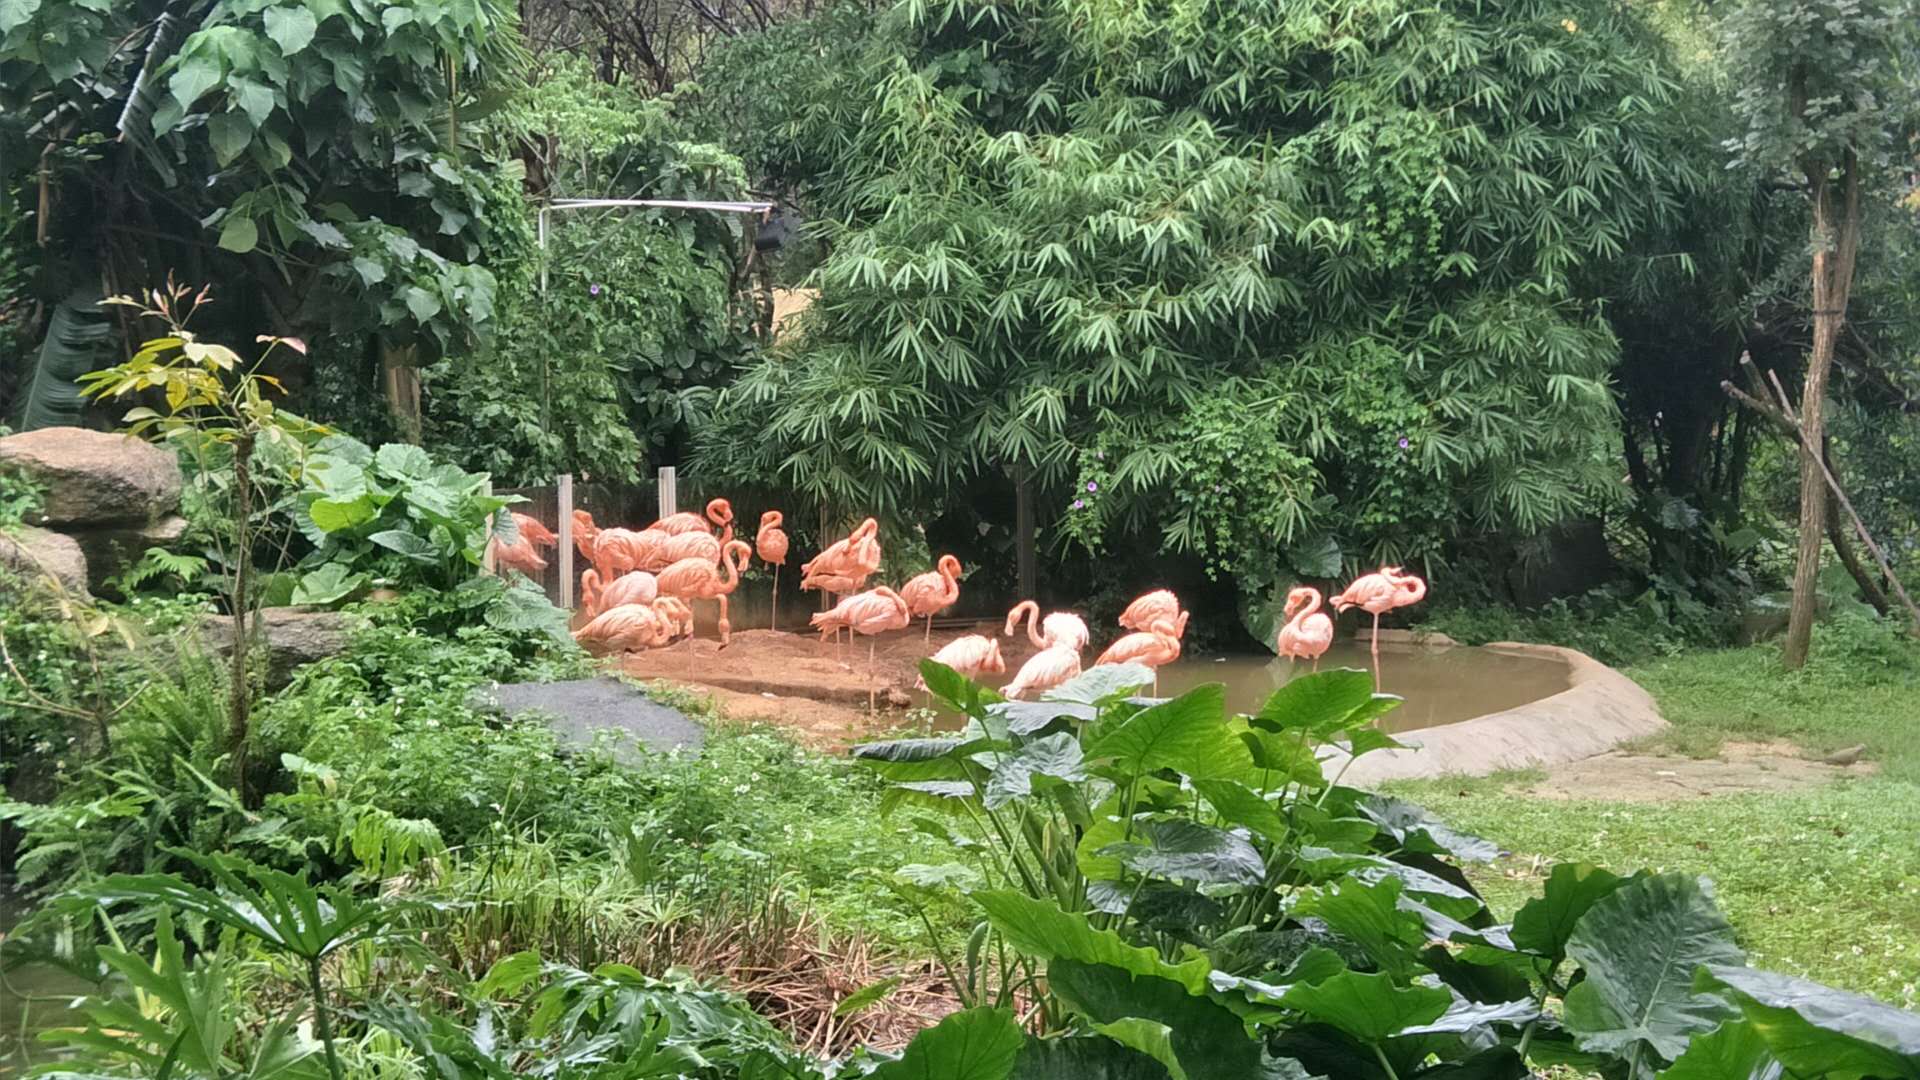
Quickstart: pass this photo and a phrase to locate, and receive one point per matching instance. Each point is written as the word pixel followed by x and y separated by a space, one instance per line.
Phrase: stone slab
pixel 580 709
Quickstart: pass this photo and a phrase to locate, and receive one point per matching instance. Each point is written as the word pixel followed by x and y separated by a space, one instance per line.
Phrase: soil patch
pixel 819 690
pixel 1743 767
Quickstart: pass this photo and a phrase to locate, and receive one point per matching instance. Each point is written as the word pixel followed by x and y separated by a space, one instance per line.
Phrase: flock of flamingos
pixel 638 591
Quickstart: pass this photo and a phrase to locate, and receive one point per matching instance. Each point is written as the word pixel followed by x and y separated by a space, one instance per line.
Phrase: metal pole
pixel 566 540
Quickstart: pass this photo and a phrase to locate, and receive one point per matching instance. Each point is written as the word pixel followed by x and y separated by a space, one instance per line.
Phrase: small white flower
pixel 742 789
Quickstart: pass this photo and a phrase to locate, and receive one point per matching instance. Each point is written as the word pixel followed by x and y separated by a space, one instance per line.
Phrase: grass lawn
pixel 1822 882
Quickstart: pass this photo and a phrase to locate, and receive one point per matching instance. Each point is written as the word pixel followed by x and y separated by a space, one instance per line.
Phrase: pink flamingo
pixel 699 578
pixel 875 611
pixel 626 628
pixel 678 614
pixel 1058 628
pixel 532 531
pixel 1153 647
pixel 1045 670
pixel 681 547
pixel 1308 631
pixel 616 551
pixel 634 587
pixel 1378 593
pixel 972 655
pixel 519 555
pixel 590 592
pixel 719 513
pixel 584 532
pixel 770 543
pixel 844 567
pixel 1159 605
pixel 931 593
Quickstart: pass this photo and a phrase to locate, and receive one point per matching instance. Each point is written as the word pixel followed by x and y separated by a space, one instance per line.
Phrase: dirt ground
pixel 817 690
pixel 1740 768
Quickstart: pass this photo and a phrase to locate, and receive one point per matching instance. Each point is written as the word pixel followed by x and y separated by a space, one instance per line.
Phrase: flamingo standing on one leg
pixel 1378 593
pixel 1160 605
pixel 972 655
pixel 875 611
pixel 847 562
pixel 1308 631
pixel 699 578
pixel 931 593
pixel 770 543
pixel 1153 647
pixel 1058 628
pixel 1045 670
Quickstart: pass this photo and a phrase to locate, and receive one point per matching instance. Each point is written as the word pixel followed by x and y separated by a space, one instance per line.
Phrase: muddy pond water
pixel 1441 686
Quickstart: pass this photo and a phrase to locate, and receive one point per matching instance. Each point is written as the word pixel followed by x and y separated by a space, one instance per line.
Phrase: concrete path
pixel 580 709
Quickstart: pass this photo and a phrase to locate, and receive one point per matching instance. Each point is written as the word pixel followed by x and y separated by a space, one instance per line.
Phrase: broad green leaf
pixel 197 74
pixel 230 133
pixel 1203 1037
pixel 291 28
pixel 1732 1051
pixel 1054 756
pixel 1184 851
pixel 1027 717
pixel 1238 804
pixel 974 1044
pixel 326 586
pixel 1639 947
pixel 1369 1008
pixel 1041 930
pixel 16 13
pixel 412 545
pixel 509 975
pixel 239 234
pixel 1321 704
pixel 1370 916
pixel 1084 1058
pixel 1419 831
pixel 423 304
pixel 1099 685
pixel 867 996
pixel 1188 734
pixel 402 461
pixel 1152 1039
pixel 333 515
pixel 1544 923
pixel 1815 1030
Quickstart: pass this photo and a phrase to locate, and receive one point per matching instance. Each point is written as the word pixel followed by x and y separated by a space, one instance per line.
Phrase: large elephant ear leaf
pixel 975 1044
pixel 77 334
pixel 1815 1030
pixel 1544 923
pixel 1640 946
pixel 1733 1051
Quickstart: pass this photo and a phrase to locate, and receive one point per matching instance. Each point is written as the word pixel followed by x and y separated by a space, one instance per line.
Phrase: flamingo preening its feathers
pixel 1156 646
pixel 875 611
pixel 972 655
pixel 1058 628
pixel 699 578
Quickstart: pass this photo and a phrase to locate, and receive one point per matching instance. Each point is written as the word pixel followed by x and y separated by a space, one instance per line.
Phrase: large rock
pixel 293 638
pixel 39 554
pixel 112 548
pixel 93 478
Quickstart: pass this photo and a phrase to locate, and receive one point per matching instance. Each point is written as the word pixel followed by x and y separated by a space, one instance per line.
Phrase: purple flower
pixel 1091 486
pixel 1079 505
pixel 593 290
pixel 1404 443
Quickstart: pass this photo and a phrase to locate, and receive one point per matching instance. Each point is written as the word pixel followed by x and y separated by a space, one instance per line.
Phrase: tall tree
pixel 1827 92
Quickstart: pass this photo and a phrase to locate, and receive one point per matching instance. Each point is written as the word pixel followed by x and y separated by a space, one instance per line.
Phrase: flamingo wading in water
pixel 972 655
pixel 1377 594
pixel 700 579
pixel 1154 647
pixel 1308 632
pixel 931 593
pixel 875 611
pixel 1160 605
pixel 1045 670
pixel 770 543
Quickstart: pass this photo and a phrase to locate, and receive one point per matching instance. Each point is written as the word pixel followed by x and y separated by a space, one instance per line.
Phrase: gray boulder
pixel 38 554
pixel 293 638
pixel 94 478
pixel 112 548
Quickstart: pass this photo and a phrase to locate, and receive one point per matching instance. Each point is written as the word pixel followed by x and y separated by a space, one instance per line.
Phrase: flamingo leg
pixel 773 619
pixel 870 707
pixel 929 635
pixel 726 628
pixel 1376 652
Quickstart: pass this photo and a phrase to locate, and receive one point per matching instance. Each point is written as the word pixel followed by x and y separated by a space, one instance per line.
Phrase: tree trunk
pixel 242 601
pixel 1836 232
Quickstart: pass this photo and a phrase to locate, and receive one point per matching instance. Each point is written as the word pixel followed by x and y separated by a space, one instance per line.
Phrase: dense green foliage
pixel 1124 250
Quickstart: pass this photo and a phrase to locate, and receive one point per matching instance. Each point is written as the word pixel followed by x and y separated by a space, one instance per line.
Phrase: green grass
pixel 1822 882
